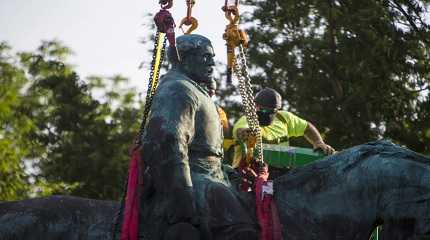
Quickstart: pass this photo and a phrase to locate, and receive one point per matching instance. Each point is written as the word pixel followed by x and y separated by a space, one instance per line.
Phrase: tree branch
pixel 411 22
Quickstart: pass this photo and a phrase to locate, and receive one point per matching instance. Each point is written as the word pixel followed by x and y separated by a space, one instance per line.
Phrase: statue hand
pixel 181 207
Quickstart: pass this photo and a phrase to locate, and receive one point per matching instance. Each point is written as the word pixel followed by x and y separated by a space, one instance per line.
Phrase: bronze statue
pixel 189 196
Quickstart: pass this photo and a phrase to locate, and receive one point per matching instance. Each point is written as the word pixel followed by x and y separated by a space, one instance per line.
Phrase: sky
pixel 103 34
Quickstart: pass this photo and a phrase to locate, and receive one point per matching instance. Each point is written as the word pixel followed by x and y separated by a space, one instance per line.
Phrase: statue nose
pixel 211 62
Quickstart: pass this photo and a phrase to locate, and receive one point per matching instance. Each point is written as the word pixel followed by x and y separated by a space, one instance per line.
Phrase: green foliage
pixel 79 144
pixel 357 69
pixel 14 126
pixel 43 188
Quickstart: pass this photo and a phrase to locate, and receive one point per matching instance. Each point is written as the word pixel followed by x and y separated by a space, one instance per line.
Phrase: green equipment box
pixel 289 157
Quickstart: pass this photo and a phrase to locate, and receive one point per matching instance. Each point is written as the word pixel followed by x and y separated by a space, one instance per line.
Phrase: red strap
pixel 263 210
pixel 277 227
pixel 130 223
pixel 267 213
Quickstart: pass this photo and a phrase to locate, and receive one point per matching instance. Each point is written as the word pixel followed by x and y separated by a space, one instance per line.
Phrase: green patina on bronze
pixel 182 148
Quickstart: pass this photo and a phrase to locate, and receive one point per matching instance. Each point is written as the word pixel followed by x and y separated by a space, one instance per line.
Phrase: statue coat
pixel 182 154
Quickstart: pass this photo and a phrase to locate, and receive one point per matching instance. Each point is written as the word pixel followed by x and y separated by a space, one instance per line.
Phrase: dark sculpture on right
pixel 347 194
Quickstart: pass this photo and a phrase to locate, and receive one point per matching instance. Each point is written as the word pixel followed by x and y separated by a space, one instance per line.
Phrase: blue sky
pixel 104 34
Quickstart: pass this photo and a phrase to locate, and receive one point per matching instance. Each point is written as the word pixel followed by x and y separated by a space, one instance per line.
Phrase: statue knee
pixel 182 231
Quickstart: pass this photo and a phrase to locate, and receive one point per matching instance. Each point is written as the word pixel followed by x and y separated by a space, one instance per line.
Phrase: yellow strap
pixel 157 59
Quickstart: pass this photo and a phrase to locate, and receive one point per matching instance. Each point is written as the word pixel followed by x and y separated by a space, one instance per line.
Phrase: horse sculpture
pixel 57 217
pixel 346 195
pixel 343 196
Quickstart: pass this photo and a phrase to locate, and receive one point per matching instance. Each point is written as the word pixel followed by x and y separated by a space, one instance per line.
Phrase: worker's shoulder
pixel 241 119
pixel 291 119
pixel 240 123
pixel 286 114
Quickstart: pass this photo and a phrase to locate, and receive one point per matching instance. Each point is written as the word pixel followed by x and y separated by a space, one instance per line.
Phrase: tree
pixel 69 141
pixel 14 127
pixel 358 69
pixel 87 141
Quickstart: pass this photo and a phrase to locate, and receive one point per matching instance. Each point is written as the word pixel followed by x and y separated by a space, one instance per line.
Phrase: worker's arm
pixel 239 128
pixel 314 137
pixel 240 133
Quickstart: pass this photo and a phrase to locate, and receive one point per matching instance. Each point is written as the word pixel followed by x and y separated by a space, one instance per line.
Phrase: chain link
pixel 245 90
pixel 152 83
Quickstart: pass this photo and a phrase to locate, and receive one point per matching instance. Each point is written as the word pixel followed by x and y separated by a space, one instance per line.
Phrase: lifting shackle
pixel 233 36
pixel 228 5
pixel 165 22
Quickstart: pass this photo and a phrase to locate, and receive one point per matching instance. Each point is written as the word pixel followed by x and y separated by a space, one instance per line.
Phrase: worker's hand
pixel 181 207
pixel 325 148
pixel 243 134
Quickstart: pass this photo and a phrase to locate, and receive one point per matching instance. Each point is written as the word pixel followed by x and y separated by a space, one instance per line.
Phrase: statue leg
pixel 231 214
pixel 182 231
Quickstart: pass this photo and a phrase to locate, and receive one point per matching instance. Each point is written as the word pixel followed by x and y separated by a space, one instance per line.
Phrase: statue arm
pixel 169 132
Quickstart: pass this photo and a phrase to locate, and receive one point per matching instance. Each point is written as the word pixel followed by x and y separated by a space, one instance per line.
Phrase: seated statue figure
pixel 187 192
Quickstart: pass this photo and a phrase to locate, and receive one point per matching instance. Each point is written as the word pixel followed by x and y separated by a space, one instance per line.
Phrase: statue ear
pixel 186 59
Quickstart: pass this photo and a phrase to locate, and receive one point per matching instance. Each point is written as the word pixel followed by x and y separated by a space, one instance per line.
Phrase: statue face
pixel 198 65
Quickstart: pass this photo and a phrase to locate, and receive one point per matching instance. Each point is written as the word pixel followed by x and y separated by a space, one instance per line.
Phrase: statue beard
pixel 203 80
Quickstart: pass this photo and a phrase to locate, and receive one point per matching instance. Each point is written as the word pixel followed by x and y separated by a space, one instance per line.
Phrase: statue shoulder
pixel 174 84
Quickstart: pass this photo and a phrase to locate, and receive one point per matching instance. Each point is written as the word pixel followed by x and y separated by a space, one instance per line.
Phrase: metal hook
pixel 189 21
pixel 166 4
pixel 232 14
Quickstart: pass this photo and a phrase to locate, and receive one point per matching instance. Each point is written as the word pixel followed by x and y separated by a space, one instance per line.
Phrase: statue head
pixel 196 57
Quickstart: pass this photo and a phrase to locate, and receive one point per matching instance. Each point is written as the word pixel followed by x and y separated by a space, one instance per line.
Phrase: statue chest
pixel 208 127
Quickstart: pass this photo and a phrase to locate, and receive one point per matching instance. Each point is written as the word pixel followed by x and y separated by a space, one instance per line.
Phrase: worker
pixel 277 126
